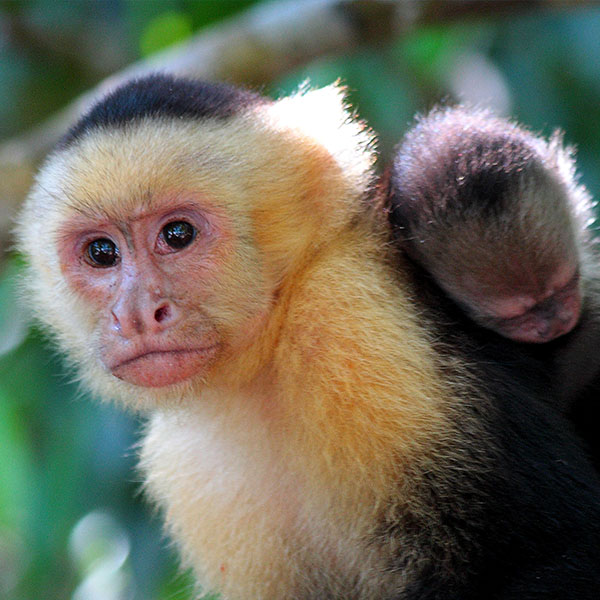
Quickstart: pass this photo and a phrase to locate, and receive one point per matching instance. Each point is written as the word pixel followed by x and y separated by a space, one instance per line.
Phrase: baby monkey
pixel 498 219
pixel 496 216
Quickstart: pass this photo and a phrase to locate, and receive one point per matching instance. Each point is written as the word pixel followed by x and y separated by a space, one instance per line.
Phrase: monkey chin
pixel 161 368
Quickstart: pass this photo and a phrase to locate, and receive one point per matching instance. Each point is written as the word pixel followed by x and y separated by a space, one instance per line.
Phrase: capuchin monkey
pixel 496 217
pixel 210 258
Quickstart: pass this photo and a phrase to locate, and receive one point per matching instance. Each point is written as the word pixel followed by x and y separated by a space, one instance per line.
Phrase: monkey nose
pixel 554 326
pixel 146 318
pixel 555 317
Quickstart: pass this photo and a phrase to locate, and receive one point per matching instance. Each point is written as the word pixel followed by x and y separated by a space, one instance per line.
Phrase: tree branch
pixel 253 48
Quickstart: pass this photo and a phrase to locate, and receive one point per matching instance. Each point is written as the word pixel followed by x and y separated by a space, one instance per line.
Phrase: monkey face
pixel 152 277
pixel 535 312
pixel 147 278
pixel 167 240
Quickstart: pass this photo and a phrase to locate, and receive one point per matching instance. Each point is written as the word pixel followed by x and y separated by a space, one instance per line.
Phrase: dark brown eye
pixel 178 234
pixel 102 253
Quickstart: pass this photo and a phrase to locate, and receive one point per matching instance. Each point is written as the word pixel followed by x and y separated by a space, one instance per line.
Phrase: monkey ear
pixel 324 116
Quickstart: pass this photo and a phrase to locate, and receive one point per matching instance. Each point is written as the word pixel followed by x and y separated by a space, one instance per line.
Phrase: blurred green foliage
pixel 71 511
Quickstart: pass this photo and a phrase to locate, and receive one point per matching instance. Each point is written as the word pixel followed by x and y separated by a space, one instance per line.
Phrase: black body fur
pixel 537 535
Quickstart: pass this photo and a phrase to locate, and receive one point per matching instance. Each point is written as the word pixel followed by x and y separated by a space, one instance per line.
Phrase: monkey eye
pixel 178 234
pixel 102 253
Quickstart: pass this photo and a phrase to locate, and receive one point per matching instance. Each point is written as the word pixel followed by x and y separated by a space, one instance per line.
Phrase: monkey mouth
pixel 162 367
pixel 534 329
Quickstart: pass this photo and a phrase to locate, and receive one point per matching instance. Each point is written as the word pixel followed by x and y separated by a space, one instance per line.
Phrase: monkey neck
pixel 346 366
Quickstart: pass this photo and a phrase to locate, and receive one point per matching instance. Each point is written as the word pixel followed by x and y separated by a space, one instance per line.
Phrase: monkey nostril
pixel 115 321
pixel 161 313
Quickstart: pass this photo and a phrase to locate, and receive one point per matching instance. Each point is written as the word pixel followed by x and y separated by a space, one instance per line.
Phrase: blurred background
pixel 73 522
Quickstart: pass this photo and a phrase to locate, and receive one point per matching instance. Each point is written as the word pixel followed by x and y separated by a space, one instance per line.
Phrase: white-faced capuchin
pixel 496 217
pixel 210 257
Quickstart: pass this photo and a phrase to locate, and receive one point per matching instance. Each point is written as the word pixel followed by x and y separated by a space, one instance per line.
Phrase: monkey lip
pixel 553 317
pixel 540 331
pixel 162 367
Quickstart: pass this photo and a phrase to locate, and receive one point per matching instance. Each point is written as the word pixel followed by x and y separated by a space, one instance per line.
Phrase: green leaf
pixel 13 318
pixel 163 31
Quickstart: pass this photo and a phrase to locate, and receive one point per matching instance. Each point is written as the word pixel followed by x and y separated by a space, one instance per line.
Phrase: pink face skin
pixel 536 316
pixel 145 278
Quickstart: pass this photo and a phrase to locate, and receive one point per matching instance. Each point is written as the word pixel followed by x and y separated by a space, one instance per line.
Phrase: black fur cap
pixel 161 95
